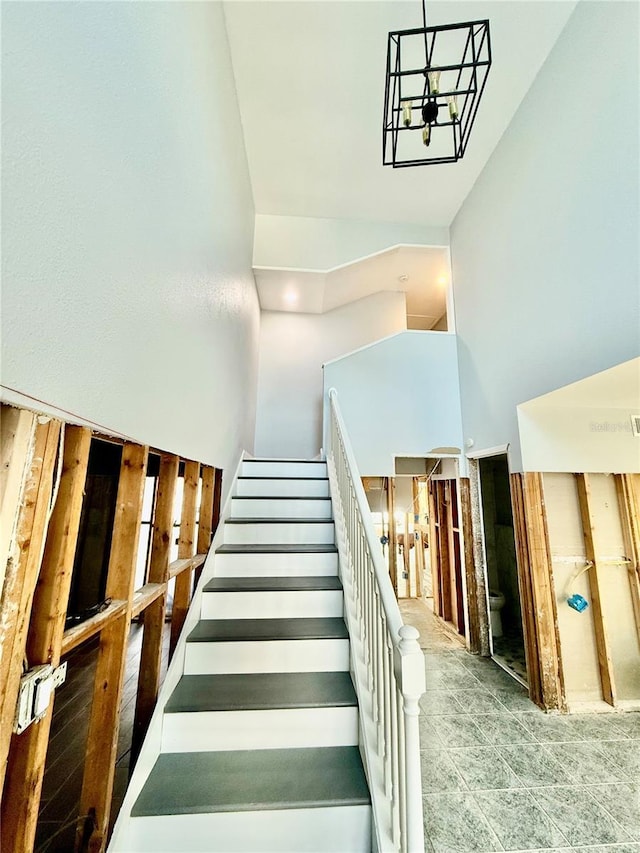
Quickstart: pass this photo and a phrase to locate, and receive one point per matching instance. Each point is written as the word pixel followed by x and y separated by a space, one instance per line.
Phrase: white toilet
pixel 496 603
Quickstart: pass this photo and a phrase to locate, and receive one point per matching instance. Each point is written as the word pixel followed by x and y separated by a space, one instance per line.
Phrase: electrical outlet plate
pixel 36 689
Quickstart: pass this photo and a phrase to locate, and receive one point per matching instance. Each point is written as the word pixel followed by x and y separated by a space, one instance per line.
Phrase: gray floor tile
pixel 439 702
pixel 623 803
pixel 533 765
pixel 498 679
pixel 439 772
pixel 582 819
pixel 458 731
pixel 548 727
pixel 502 728
pixel 428 736
pixel 482 769
pixel 610 848
pixel 625 755
pixel 595 727
pixel 454 823
pixel 586 763
pixel 518 820
pixel 514 699
pixel 464 680
pixel 628 723
pixel 479 702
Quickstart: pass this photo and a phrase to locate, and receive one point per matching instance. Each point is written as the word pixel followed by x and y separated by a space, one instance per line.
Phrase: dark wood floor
pixel 65 757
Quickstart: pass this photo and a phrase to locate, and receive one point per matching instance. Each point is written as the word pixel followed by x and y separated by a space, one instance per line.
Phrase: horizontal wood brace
pixel 178 566
pixel 73 637
pixel 145 596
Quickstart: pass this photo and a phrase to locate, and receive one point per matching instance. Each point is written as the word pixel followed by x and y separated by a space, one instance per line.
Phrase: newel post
pixel 412 681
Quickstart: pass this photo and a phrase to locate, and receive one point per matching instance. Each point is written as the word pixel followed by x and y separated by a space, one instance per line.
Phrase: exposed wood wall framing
pixel 16 445
pixel 419 545
pixel 154 615
pixel 186 548
pixel 473 603
pixel 479 562
pixel 605 664
pixel 25 771
pixel 445 553
pixel 393 541
pixel 102 738
pixel 540 619
pixel 527 605
pixel 41 504
pixel 22 566
pixel 628 489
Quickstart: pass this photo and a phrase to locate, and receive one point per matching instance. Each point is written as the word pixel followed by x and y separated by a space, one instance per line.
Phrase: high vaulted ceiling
pixel 310 83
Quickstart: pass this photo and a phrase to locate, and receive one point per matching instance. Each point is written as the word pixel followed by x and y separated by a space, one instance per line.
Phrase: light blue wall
pixel 545 248
pixel 398 396
pixel 127 291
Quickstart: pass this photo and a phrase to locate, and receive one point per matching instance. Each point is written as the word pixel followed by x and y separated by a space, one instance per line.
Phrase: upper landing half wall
pixel 398 396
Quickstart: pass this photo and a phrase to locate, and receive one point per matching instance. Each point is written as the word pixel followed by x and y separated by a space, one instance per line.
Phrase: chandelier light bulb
pixel 452 100
pixel 406 113
pixel 434 82
pixel 426 134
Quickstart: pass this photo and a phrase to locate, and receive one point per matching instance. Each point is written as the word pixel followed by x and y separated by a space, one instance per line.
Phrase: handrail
pixel 388 663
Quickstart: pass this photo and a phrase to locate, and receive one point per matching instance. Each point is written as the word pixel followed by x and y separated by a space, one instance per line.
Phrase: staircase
pixel 259 748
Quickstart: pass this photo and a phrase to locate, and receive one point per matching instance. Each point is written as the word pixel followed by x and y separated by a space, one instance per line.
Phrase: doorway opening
pixel 505 610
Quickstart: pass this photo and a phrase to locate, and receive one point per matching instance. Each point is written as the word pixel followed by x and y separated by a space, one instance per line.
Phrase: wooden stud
pixel 406 555
pixel 217 501
pixel 154 615
pixel 186 545
pixel 628 489
pixel 444 555
pixel 543 593
pixel 393 542
pixel 21 576
pixel 418 545
pixel 529 623
pixel 25 770
pixel 17 428
pixel 605 665
pixel 433 547
pixel 479 559
pixel 104 722
pixel 205 520
pixel 466 524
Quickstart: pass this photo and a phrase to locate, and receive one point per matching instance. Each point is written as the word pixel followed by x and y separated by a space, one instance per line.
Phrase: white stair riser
pixel 334 830
pixel 297 488
pixel 267 656
pixel 277 468
pixel 275 565
pixel 255 533
pixel 280 508
pixel 288 728
pixel 296 604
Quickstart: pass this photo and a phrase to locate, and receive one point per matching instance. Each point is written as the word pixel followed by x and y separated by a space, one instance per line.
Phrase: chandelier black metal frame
pixel 435 79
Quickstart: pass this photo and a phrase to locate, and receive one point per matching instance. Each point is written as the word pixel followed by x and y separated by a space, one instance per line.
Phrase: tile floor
pixel 499 774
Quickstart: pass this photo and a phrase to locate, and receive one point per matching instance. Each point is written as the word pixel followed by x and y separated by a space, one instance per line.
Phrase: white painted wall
pixel 293 348
pixel 399 396
pixel 128 218
pixel 309 243
pixel 545 248
pixel 567 438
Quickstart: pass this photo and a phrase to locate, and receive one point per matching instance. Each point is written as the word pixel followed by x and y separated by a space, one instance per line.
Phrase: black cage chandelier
pixel 434 82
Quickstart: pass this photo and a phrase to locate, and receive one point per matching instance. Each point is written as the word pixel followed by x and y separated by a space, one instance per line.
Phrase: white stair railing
pixel 388 664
